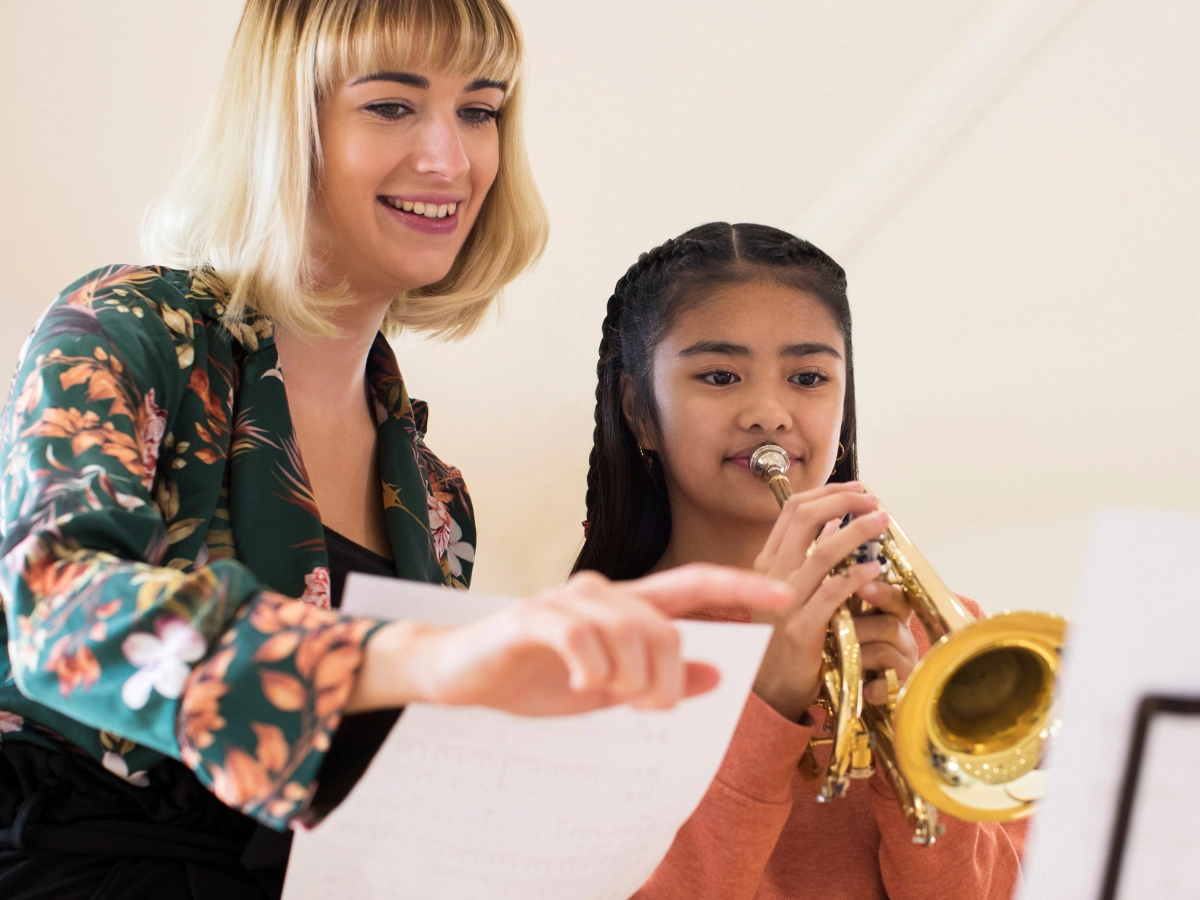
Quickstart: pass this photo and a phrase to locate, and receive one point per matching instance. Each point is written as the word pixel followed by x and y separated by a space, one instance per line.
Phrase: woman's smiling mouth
pixel 431 215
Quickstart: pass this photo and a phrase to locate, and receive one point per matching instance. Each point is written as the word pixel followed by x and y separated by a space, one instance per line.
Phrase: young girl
pixel 720 340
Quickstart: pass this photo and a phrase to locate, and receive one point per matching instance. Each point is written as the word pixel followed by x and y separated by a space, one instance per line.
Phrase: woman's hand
pixel 887 642
pixel 789 677
pixel 588 644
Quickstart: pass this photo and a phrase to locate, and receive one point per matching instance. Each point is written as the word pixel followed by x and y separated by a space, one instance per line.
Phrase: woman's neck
pixel 329 371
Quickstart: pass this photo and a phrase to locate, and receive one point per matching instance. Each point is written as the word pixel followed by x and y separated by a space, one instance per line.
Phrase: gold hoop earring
pixel 841 453
pixel 647 455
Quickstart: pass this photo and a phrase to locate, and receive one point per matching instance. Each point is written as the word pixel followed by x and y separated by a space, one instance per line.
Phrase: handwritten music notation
pixel 474 803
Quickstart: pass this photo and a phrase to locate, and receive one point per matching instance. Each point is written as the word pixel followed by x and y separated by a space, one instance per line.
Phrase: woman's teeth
pixel 428 210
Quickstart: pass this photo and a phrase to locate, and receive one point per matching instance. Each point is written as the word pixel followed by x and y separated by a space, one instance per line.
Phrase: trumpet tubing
pixel 968 730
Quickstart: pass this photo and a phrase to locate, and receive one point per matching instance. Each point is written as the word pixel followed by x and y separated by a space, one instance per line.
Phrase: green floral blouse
pixel 163 569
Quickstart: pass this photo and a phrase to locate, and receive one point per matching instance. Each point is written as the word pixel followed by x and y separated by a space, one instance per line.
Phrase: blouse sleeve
pixel 245 686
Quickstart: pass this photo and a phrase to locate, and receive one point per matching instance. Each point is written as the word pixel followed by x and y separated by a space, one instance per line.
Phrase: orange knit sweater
pixel 760 833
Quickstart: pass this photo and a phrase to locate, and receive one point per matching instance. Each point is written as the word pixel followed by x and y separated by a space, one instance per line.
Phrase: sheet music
pixel 1132 634
pixel 474 803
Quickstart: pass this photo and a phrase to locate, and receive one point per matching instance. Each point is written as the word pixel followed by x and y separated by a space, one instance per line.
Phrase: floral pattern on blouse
pixel 163 570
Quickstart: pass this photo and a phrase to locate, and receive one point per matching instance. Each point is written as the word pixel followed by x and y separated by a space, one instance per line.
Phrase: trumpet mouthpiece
pixel 769 460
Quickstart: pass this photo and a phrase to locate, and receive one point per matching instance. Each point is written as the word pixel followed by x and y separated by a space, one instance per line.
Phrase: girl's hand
pixel 588 644
pixel 887 642
pixel 789 677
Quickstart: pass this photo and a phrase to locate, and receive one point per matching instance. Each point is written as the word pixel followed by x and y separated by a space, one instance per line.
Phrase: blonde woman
pixel 196 452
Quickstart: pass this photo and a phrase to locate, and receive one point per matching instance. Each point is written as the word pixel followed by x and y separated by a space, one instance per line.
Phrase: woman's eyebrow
pixel 480 84
pixel 808 349
pixel 408 78
pixel 722 347
pixel 420 81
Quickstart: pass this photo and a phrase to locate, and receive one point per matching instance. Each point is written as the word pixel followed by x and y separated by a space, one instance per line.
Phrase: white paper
pixel 1134 633
pixel 466 803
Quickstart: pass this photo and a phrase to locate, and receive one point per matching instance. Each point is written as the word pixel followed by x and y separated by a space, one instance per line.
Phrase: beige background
pixel 1011 184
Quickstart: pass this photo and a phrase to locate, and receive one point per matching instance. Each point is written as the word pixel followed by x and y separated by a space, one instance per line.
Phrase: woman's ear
pixel 639 429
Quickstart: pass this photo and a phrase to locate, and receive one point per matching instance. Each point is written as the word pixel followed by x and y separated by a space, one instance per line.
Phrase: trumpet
pixel 967 733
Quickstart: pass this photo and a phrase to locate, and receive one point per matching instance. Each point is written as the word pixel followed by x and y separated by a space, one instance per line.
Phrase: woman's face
pixel 409 158
pixel 754 363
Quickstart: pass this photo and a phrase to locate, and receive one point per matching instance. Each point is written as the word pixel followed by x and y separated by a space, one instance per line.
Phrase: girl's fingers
pixel 807 627
pixel 799 502
pixel 696 585
pixel 888 598
pixel 887 627
pixel 835 548
pixel 877 656
pixel 809 520
pixel 875 692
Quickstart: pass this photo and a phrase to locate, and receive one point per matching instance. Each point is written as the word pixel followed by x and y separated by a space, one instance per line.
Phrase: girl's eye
pixel 479 115
pixel 719 379
pixel 388 110
pixel 808 379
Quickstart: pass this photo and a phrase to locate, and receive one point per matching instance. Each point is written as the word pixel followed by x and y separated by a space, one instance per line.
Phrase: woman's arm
pixel 243 685
pixel 585 645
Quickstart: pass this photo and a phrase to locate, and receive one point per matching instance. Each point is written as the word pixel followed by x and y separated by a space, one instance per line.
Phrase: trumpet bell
pixel 973 720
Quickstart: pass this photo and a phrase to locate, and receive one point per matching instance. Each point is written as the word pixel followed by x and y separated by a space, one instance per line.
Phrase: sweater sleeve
pixel 971 861
pixel 205 665
pixel 722 850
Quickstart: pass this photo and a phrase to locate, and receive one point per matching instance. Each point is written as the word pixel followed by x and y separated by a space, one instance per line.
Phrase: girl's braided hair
pixel 628 511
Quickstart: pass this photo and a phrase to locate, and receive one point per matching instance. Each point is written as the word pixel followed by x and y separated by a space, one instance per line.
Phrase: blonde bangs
pixel 461 38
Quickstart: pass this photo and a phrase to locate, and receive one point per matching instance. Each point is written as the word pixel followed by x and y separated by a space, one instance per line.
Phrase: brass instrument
pixel 967 732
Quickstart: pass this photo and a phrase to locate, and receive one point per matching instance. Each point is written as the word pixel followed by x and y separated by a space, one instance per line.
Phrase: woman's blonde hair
pixel 240 205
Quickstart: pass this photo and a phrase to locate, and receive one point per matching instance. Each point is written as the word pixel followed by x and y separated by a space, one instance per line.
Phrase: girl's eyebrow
pixel 420 81
pixel 722 347
pixel 809 349
pixel 725 348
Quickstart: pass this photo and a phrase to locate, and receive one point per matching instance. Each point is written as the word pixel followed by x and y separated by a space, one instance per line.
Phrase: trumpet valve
pixel 862 763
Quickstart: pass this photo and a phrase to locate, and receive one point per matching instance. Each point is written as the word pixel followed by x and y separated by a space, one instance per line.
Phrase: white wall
pixel 1020 275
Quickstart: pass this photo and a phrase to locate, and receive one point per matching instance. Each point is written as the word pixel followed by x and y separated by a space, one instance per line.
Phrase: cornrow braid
pixel 628 521
pixel 616 468
pixel 608 367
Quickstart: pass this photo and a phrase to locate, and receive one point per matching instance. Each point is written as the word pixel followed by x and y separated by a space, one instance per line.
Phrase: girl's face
pixel 409 158
pixel 755 363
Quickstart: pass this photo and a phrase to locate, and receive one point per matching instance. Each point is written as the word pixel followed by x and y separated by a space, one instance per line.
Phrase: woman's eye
pixel 808 379
pixel 390 111
pixel 719 379
pixel 479 115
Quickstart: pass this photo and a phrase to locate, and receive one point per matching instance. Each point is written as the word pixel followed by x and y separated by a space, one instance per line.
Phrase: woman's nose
pixel 439 151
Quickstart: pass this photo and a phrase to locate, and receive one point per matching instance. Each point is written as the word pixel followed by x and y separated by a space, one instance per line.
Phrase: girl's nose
pixel 767 413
